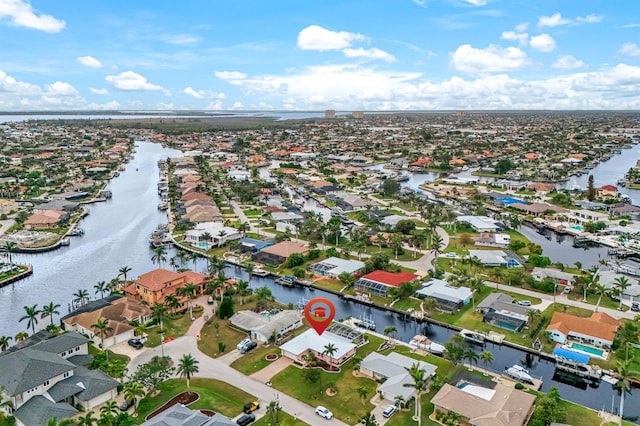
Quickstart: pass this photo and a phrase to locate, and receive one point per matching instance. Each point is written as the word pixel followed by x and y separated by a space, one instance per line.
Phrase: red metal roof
pixel 393 279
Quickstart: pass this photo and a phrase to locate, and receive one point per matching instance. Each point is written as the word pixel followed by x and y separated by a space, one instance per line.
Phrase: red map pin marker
pixel 317 316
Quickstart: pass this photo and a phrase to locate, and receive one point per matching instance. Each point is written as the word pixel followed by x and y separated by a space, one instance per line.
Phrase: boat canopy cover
pixel 572 355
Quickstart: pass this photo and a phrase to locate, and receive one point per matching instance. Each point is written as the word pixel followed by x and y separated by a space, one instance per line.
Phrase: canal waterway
pixel 116 235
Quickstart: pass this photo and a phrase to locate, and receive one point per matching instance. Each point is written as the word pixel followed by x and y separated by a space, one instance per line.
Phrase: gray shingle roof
pixel 28 368
pixel 39 409
pixel 95 382
pixel 62 343
pixel 64 389
pixel 179 415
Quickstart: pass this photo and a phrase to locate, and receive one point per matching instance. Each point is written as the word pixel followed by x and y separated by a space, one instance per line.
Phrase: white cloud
pixel 11 85
pixel 421 3
pixel 106 106
pixel 131 81
pixel 180 39
pixel 568 62
pixel 61 88
pixel 557 20
pixel 89 61
pixel 215 105
pixel 98 91
pixel 373 53
pixel 315 37
pixel 630 49
pixel 22 14
pixel 543 43
pixel 515 36
pixel 490 60
pixel 589 19
pixel 522 27
pixel 476 2
pixel 230 75
pixel 203 94
pixel 554 20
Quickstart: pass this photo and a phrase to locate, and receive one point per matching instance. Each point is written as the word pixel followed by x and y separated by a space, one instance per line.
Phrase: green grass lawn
pixel 254 361
pixel 210 336
pixel 330 284
pixel 284 419
pixel 408 255
pixel 214 395
pixel 174 326
pixel 346 404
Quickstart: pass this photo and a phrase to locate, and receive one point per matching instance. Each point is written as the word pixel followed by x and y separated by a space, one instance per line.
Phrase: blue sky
pixel 316 55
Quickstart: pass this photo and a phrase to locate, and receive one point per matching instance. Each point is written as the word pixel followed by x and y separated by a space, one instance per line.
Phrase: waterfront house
pixel 624 209
pixel 49 378
pixel 557 275
pixel 494 404
pixel 207 235
pixel 479 223
pixel 334 266
pixel 280 252
pixel 607 191
pixel 499 309
pixel 46 219
pixel 261 326
pixel 379 282
pixel 154 286
pixel 392 371
pixel 351 202
pixel 449 298
pixel 496 258
pixel 583 216
pixel 118 310
pixel 489 239
pixel 598 330
pixel 310 342
pixel 537 209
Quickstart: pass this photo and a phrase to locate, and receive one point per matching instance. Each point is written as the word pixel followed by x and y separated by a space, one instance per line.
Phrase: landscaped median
pixel 215 395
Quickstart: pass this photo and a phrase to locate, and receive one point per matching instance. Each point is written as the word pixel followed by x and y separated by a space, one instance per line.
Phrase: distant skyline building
pixel 330 113
pixel 459 113
pixel 357 114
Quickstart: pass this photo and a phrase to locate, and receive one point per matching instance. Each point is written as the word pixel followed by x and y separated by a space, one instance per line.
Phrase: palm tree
pixel 437 245
pixel 132 390
pixel 600 290
pixel 87 420
pixel 419 384
pixel 123 272
pixel 101 287
pixel 102 327
pixel 330 349
pixel 158 312
pixel 31 315
pixel 189 291
pixel 242 287
pixel 109 408
pixel 159 256
pixel 80 296
pixel 249 267
pixel 389 331
pixel 471 356
pixel 187 366
pixel 4 343
pixel 621 284
pixel 623 368
pixel 20 336
pixel 50 310
pixel 273 411
pixel 194 256
pixel 362 392
pixel 9 247
pixel 172 302
pixel 487 358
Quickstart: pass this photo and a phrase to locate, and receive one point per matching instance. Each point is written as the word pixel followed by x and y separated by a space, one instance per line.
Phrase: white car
pixel 324 412
pixel 388 412
pixel 524 303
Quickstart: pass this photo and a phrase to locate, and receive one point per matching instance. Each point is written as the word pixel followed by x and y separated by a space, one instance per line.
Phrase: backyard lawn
pixel 174 326
pixel 214 395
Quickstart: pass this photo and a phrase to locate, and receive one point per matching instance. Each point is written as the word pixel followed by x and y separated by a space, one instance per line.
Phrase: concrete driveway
pixel 216 369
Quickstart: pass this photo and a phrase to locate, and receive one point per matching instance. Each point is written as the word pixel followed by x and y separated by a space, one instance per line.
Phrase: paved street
pixel 216 369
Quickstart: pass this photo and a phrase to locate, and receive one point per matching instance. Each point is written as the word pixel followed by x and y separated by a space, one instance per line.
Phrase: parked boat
pixel 259 272
pixel 162 206
pixel 519 373
pixel 423 342
pixel 473 336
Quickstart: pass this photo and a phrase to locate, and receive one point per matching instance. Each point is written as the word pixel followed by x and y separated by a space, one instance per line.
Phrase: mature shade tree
pixel 31 316
pixel 591 190
pixel 187 367
pixel 226 307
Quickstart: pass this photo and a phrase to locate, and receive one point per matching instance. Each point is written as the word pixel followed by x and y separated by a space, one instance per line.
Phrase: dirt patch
pixel 184 398
pixel 331 392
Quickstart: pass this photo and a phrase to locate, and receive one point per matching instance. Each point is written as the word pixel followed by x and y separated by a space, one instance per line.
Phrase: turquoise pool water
pixel 577 227
pixel 588 349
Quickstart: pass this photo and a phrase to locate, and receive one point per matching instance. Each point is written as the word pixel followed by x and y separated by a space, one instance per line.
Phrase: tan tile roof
pixel 286 248
pixel 508 406
pixel 157 279
pixel 599 325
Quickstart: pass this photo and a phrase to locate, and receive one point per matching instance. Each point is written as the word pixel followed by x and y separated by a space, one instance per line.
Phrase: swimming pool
pixel 577 227
pixel 506 325
pixel 600 353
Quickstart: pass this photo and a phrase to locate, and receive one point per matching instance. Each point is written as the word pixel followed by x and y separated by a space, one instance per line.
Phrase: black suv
pixel 249 346
pixel 135 343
